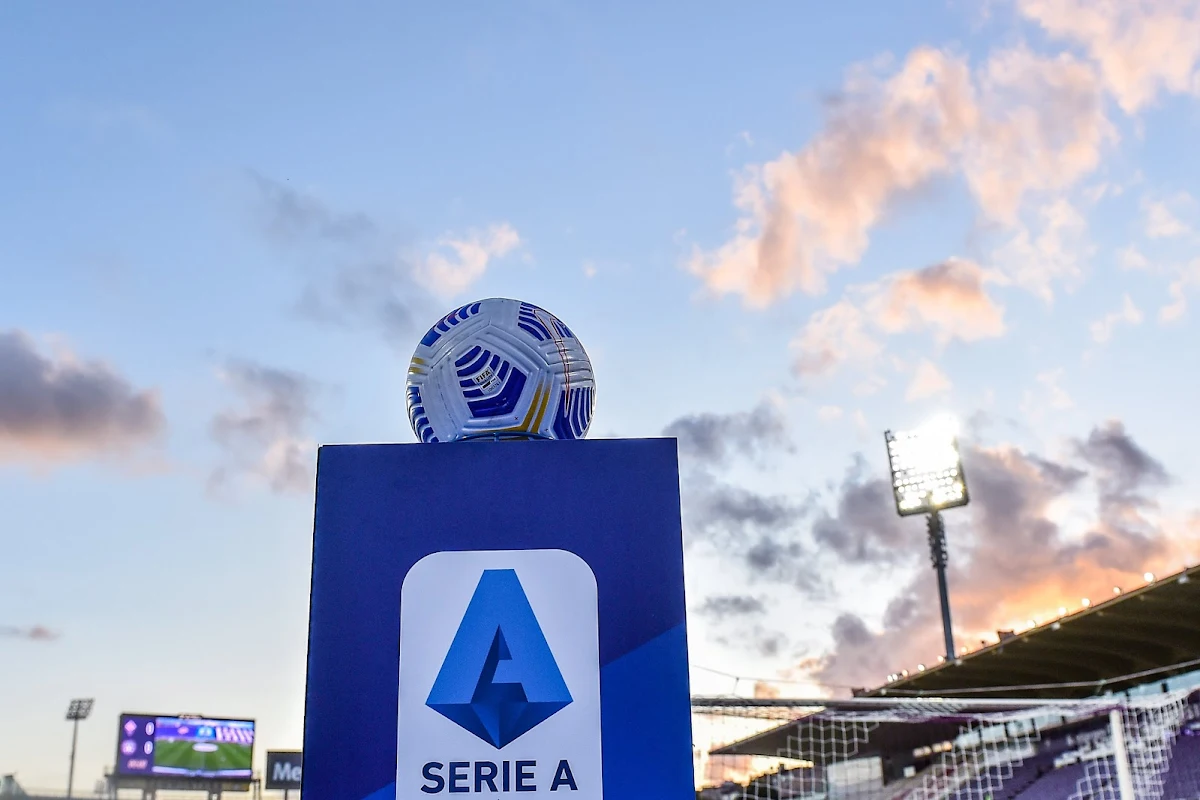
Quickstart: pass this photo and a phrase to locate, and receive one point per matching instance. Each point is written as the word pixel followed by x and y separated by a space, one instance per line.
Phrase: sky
pixel 778 229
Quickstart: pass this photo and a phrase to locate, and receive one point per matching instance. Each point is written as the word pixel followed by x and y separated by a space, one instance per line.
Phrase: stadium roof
pixel 1139 636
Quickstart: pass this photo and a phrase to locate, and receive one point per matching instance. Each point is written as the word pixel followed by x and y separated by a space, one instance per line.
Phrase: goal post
pixel 930 748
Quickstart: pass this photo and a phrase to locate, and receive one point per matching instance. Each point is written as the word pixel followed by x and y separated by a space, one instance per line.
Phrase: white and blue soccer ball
pixel 500 367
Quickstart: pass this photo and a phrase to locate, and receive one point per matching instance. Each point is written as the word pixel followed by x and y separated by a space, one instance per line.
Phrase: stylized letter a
pixel 499 679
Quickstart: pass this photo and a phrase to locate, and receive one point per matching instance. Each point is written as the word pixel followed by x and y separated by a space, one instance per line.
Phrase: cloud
pixel 1025 125
pixel 732 605
pixel 1142 47
pixel 1125 469
pixel 808 213
pixel 1049 252
pixel 833 336
pixel 829 413
pixel 755 531
pixel 1051 396
pixel 724 513
pixel 264 435
pixel 56 407
pixel 758 532
pixel 710 439
pixel 928 381
pixel 1131 258
pixel 766 643
pixel 35 633
pixel 1186 277
pixel 1009 559
pixel 948 299
pixel 357 274
pixel 378 293
pixel 1162 221
pixel 1042 128
pixel 292 216
pixel 864 527
pixel 465 258
pixel 1129 314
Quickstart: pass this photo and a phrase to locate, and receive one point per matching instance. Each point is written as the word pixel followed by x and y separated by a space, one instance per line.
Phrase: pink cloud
pixel 1142 47
pixel 948 300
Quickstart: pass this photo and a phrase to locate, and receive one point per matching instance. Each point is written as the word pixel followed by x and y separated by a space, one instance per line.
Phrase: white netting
pixel 936 749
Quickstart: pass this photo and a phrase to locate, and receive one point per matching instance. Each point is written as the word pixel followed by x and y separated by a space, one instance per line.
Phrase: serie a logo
pixel 499 712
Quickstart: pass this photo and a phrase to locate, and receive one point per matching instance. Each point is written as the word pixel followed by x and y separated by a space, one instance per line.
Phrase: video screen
pixel 185 747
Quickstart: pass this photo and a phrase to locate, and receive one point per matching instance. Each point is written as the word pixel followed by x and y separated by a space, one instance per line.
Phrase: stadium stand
pixel 1099 704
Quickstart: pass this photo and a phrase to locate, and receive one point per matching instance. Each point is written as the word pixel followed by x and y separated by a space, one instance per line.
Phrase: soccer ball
pixel 500 367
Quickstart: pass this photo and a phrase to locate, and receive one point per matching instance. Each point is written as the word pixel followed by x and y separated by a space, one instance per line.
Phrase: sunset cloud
pixel 927 381
pixel 808 213
pixel 1042 128
pixel 56 407
pixel 1142 47
pixel 1013 560
pixel 948 300
pixel 1023 125
pixel 459 260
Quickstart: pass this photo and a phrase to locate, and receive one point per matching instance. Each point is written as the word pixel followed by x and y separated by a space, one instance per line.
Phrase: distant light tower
pixel 927 477
pixel 78 710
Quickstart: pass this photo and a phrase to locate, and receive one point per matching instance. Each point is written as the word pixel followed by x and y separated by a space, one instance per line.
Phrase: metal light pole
pixel 937 553
pixel 927 477
pixel 78 710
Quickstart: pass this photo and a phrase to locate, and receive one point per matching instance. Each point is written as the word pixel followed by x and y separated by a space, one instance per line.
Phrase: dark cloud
pixel 760 532
pixel 353 275
pixel 59 407
pixel 1123 468
pixel 766 643
pixel 732 605
pixel 862 657
pixel 864 527
pixel 379 294
pixel 264 434
pixel 719 511
pixel 35 633
pixel 714 439
pixel 291 216
pixel 770 643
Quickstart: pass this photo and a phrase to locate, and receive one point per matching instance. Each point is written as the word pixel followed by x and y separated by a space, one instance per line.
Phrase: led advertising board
pixel 185 747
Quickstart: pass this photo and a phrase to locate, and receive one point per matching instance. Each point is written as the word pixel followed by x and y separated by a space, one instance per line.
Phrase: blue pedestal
pixel 540 643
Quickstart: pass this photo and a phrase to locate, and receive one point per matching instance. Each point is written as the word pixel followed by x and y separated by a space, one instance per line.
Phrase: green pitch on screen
pixel 184 755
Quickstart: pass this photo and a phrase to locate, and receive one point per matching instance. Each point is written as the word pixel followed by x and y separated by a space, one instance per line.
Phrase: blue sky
pixel 787 227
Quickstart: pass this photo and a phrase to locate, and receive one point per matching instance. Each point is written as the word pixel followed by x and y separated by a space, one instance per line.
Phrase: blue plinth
pixel 491 618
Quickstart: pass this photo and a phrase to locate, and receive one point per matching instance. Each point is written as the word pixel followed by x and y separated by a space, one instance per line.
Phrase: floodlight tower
pixel 78 710
pixel 927 478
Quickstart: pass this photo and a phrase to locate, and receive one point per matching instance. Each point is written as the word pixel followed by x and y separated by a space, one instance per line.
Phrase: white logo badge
pixel 499 676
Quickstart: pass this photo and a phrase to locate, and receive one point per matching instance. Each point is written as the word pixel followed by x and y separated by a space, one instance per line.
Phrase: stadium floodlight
pixel 927 478
pixel 76 711
pixel 927 474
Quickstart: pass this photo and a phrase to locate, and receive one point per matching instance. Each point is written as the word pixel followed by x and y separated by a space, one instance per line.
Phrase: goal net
pixel 1110 748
